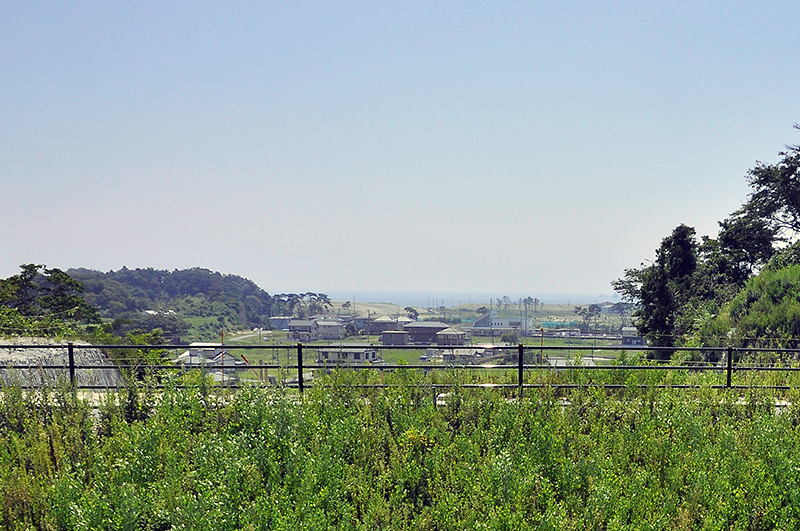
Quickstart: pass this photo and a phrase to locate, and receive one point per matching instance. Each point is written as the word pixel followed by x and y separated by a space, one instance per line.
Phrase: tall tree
pixel 527 302
pixel 663 288
pixel 589 314
pixel 39 292
pixel 622 309
pixel 324 301
pixel 682 293
pixel 776 192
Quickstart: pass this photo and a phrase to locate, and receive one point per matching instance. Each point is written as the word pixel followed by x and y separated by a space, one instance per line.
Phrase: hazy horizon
pixel 423 300
pixel 518 147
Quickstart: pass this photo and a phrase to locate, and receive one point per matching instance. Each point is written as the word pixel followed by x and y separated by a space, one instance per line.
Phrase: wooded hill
pixel 191 303
pixel 180 305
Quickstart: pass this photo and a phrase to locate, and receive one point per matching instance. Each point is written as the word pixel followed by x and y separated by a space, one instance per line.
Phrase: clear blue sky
pixel 527 147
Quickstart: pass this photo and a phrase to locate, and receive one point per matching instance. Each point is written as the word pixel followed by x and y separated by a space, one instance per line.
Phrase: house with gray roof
pixel 303 330
pixel 424 332
pixel 329 330
pixel 450 336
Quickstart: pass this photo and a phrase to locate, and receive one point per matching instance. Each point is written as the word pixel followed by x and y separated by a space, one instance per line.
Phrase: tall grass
pixel 345 457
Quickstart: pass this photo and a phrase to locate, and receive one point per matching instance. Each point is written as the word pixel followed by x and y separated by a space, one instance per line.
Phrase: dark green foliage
pixel 191 303
pixel 510 337
pixel 138 357
pixel 44 302
pixel 765 312
pixel 776 192
pixel 682 296
pixel 171 325
pixel 663 288
pixel 689 284
pixel 746 243
pixel 38 292
pixel 350 330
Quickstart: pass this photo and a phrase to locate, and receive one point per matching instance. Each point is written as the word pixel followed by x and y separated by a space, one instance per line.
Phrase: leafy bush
pixel 510 337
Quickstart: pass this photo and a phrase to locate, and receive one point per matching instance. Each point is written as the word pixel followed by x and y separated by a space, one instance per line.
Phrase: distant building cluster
pixel 392 330
pixel 402 330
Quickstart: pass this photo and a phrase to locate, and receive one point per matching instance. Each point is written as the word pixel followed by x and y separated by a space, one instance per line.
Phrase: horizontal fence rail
pixel 515 356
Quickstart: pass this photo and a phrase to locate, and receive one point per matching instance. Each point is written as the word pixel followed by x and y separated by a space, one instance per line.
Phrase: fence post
pixel 540 361
pixel 520 360
pixel 729 368
pixel 71 355
pixel 300 366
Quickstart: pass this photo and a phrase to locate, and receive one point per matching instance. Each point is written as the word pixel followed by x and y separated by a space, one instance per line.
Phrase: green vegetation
pixel 12 323
pixel 184 304
pixel 766 313
pixel 345 458
pixel 510 337
pixel 740 287
pixel 410 455
pixel 396 356
pixel 45 302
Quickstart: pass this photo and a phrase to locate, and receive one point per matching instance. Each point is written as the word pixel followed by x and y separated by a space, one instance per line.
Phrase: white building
pixel 348 355
pixel 491 325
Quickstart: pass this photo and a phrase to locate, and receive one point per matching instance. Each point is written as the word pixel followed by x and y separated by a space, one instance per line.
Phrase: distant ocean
pixel 425 300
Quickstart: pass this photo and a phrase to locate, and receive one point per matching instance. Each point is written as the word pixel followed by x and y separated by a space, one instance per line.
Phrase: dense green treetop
pixel 153 285
pixel 44 302
pixel 38 292
pixel 180 305
pixel 776 192
pixel 191 303
pixel 696 293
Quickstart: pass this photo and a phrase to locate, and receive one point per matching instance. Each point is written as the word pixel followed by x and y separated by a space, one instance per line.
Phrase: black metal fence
pixel 512 359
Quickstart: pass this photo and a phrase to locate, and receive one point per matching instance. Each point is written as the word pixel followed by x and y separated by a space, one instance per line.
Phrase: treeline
pixel 136 290
pixel 196 301
pixel 740 288
pixel 177 305
pixel 178 302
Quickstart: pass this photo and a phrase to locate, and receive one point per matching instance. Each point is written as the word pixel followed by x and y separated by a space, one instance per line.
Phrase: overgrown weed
pixel 350 455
